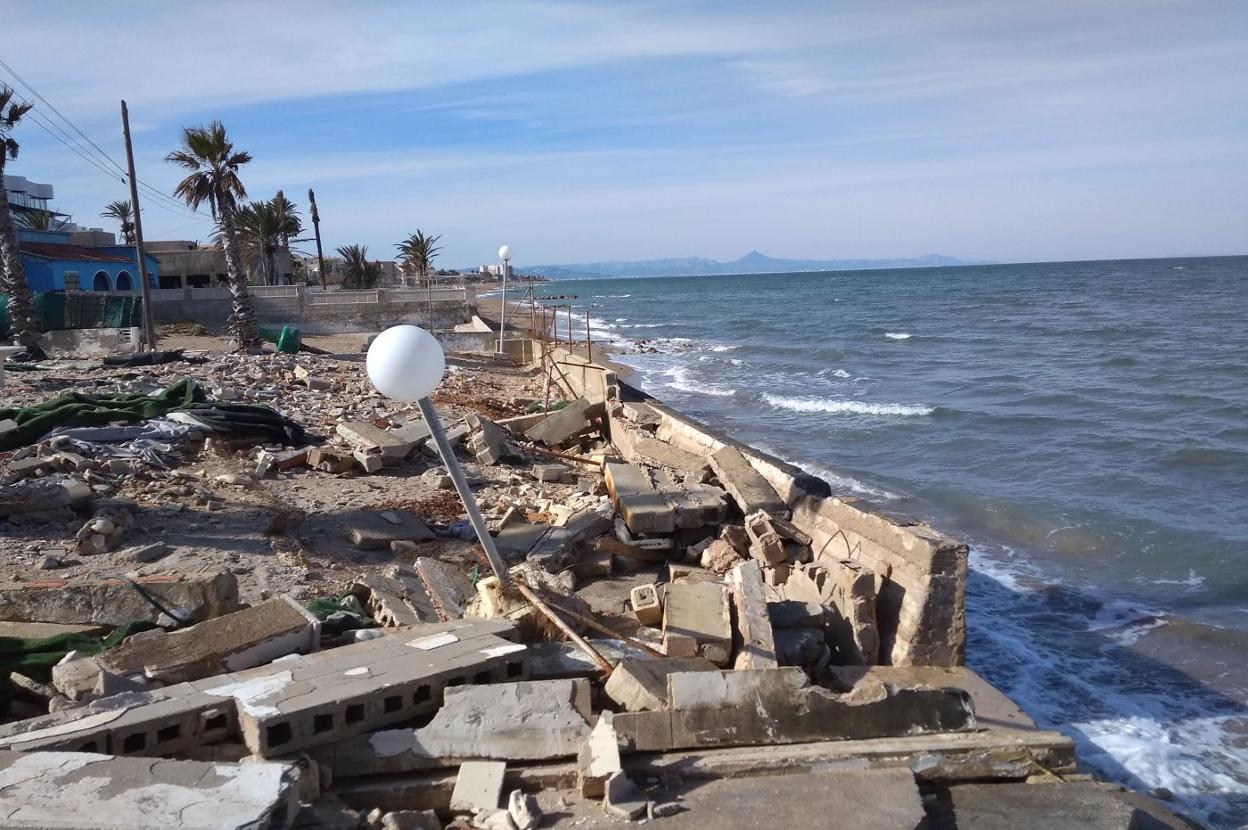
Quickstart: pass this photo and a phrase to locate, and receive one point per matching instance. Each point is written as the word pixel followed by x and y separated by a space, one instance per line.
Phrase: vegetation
pixel 38 219
pixel 12 271
pixel 123 212
pixel 213 165
pixel 357 270
pixel 289 223
pixel 259 238
pixel 417 252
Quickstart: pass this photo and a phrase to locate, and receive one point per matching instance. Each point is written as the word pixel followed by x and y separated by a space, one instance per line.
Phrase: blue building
pixel 54 264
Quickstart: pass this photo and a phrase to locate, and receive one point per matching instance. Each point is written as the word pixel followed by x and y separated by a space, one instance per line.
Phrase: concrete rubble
pixel 301 630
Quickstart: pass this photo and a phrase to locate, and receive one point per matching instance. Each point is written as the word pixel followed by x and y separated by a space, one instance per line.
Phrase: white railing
pixel 273 290
pixel 333 297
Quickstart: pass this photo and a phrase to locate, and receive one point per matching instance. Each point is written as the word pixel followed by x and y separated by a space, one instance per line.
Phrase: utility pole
pixel 149 330
pixel 316 225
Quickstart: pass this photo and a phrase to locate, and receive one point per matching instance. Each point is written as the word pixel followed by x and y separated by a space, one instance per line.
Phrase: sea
pixel 1083 425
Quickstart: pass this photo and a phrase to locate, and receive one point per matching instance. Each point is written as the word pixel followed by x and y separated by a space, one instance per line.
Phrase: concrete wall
pixel 921 597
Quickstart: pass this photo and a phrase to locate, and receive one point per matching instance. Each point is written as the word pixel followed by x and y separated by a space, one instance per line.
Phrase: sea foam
pixel 842 407
pixel 898 335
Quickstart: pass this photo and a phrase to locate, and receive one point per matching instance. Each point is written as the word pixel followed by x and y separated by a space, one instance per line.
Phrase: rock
pixel 235 480
pixel 719 556
pixel 148 553
pixel 524 810
pixel 495 820
pixel 411 820
pixel 49 563
pixel 623 799
pixel 76 675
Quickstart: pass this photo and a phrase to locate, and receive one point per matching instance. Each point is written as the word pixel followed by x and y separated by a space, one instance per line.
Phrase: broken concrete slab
pixel 1088 805
pixel 757 647
pixel 42 495
pixel 395 597
pixel 643 508
pixel 532 720
pixel 791 613
pixel 193 598
pixel 569 422
pixel 375 530
pixel 479 786
pixel 599 757
pixel 698 611
pixel 489 441
pixel 89 791
pixel 232 642
pixel 448 587
pixel 38 630
pixel 848 590
pixel 641 685
pixel 369 438
pixel 623 799
pixel 775 706
pixel 746 485
pixel 719 556
pixel 554 660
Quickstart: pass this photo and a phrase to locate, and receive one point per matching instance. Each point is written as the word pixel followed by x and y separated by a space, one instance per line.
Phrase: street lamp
pixel 504 253
pixel 406 363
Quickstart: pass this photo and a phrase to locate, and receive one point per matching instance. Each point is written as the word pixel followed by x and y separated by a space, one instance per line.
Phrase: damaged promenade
pixel 240 591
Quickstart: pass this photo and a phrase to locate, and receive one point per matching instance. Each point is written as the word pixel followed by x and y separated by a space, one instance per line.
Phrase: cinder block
pixel 646 604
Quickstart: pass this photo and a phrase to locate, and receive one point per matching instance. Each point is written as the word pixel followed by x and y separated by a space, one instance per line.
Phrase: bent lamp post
pixel 406 363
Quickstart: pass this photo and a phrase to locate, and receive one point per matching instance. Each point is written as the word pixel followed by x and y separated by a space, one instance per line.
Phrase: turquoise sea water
pixel 1083 425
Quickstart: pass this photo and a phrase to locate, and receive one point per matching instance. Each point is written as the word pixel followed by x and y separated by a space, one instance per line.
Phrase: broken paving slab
pixel 697 612
pixel 193 598
pixel 367 437
pixel 530 720
pixel 746 485
pixel 395 597
pixel 643 508
pixel 556 660
pixel 641 685
pixel 89 791
pixel 568 423
pixel 232 642
pixel 778 706
pixel 479 786
pixel 757 646
pixel 376 529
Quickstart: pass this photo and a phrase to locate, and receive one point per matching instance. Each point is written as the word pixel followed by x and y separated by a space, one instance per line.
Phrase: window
pixel 71 281
pixel 101 282
pixel 124 282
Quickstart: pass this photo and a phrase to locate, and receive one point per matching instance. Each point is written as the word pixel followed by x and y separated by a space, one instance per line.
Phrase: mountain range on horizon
pixel 752 263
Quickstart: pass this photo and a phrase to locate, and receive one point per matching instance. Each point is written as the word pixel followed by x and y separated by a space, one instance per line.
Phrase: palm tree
pixel 259 237
pixel 358 272
pixel 288 220
pixel 12 271
pixel 213 163
pixel 122 211
pixel 417 254
pixel 41 219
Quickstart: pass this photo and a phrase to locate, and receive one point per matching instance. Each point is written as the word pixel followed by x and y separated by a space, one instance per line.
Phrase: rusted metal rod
pixel 603 629
pixel 581 643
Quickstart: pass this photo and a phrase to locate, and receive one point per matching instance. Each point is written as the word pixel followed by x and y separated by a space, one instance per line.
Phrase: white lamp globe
pixel 405 363
pixel 504 253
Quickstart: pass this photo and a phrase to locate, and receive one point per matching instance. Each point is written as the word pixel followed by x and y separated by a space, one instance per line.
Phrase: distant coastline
pixel 752 263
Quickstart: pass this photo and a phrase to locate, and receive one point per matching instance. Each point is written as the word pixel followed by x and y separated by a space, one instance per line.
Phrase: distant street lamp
pixel 504 253
pixel 406 363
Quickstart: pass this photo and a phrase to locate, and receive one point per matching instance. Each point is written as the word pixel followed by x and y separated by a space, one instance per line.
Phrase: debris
pixel 642 507
pixel 524 811
pixel 144 554
pixel 765 543
pixel 371 530
pixel 488 442
pixel 232 642
pixel 599 758
pixel 647 606
pixel 698 611
pixel 757 649
pixel 641 685
pixel 746 485
pixel 719 557
pixel 410 820
pixel 365 437
pixel 623 799
pixel 560 427
pixel 553 472
pixel 120 601
pixel 103 531
pixel 479 786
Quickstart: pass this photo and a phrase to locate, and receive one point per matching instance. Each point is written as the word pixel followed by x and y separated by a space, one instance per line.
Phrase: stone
pixel 641 685
pixel 524 810
pixel 86 791
pixel 493 820
pixel 330 460
pixel 746 485
pixel 533 720
pixel 144 554
pixel 599 758
pixel 370 462
pixel 479 786
pixel 719 556
pixel 116 602
pixel 623 799
pixel 560 427
pixel 757 647
pixel 232 642
pixel 699 610
pixel 647 607
pixel 371 530
pixel 411 820
pixel 32 688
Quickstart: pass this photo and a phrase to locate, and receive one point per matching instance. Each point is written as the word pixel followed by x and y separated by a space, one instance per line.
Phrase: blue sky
pixel 630 130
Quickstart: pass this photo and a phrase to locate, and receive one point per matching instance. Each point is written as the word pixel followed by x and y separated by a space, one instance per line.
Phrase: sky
pixel 585 131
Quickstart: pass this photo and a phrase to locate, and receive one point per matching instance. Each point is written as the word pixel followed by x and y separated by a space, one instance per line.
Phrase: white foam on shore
pixel 898 335
pixel 842 407
pixel 679 379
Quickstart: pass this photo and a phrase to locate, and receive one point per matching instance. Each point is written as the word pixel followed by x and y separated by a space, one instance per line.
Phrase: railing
pixel 320 298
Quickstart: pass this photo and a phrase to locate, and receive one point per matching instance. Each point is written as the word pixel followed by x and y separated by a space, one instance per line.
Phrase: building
pixel 54 263
pixel 27 198
pixel 186 264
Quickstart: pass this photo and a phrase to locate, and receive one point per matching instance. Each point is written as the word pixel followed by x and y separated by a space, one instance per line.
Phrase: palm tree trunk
pixel 13 277
pixel 242 324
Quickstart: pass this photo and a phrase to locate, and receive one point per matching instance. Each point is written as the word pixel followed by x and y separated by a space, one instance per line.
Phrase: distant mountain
pixel 751 263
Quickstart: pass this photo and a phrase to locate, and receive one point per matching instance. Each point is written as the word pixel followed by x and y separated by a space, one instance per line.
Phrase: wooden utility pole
pixel 316 225
pixel 149 329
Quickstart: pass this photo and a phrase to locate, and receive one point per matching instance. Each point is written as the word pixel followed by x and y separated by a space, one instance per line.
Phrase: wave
pixel 841 407
pixel 898 335
pixel 720 347
pixel 680 380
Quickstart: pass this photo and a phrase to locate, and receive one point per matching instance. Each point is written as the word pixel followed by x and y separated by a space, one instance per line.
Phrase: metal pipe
pixel 447 452
pixel 619 635
pixel 502 314
pixel 568 630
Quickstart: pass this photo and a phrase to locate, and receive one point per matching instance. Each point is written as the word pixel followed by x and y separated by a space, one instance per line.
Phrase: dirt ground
pixel 282 534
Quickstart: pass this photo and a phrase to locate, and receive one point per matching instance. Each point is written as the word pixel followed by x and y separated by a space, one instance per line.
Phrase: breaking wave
pixel 838 407
pixel 898 335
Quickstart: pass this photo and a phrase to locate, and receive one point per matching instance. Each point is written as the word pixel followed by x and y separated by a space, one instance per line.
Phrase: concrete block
pixel 623 799
pixel 765 543
pixel 479 786
pixel 368 438
pixel 599 757
pixel 395 597
pixel 89 791
pixel 537 720
pixel 756 648
pixel 746 485
pixel 76 675
pixel 641 685
pixel 489 442
pixel 699 610
pixel 647 606
pixel 551 472
pixel 231 642
pixel 373 530
pixel 719 557
pixel 116 602
pixel 447 587
pixel 565 424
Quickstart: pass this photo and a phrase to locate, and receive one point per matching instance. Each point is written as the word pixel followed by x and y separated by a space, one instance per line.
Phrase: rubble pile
pixel 308 635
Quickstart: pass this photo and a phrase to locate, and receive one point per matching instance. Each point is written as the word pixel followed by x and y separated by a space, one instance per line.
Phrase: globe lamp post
pixel 504 253
pixel 406 363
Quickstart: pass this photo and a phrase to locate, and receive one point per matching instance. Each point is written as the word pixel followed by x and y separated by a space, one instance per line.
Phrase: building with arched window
pixel 53 264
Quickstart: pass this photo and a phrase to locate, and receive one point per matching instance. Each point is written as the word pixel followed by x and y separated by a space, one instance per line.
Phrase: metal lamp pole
pixel 504 253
